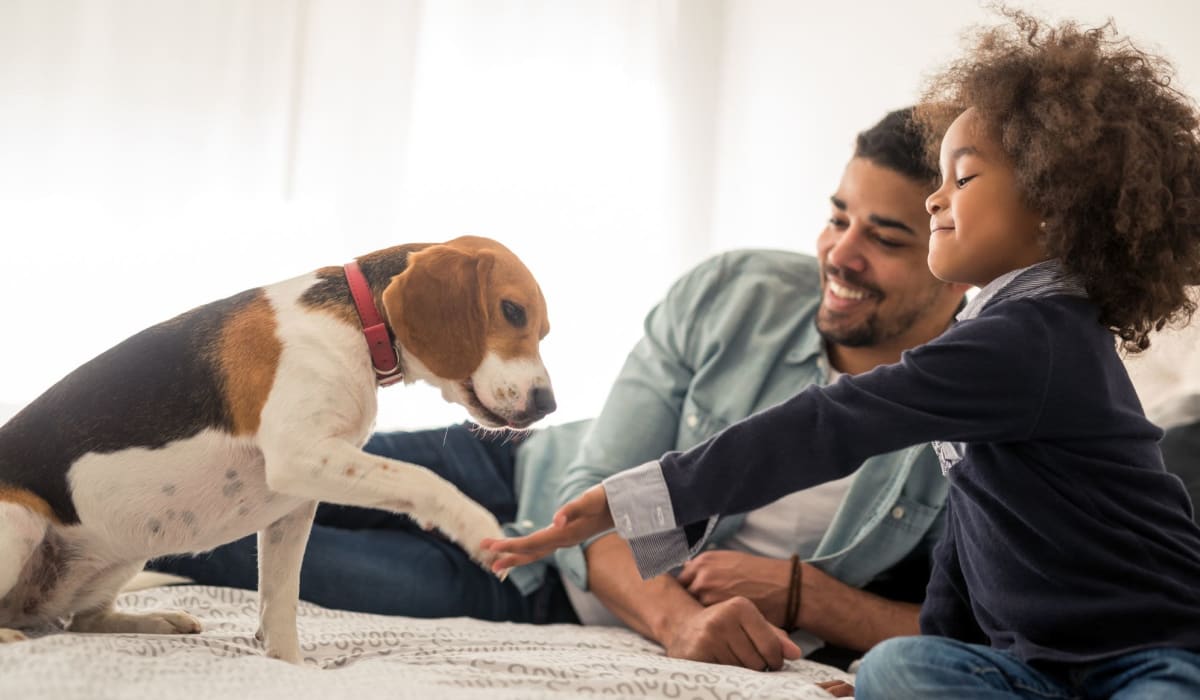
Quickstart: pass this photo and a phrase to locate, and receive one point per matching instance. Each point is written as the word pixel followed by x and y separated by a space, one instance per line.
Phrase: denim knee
pixel 1145 675
pixel 886 668
pixel 932 668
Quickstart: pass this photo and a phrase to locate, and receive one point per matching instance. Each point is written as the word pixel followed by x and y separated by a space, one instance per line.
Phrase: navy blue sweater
pixel 1066 540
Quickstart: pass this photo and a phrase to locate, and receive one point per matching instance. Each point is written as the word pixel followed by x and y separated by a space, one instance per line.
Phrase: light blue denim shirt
pixel 734 336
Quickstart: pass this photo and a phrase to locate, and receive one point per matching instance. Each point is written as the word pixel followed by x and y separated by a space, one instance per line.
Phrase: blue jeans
pixel 378 562
pixel 937 667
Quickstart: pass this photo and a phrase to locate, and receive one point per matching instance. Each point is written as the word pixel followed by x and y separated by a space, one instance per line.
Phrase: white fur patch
pixel 188 496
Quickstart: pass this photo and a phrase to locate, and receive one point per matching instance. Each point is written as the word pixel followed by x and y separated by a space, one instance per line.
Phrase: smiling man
pixel 842 566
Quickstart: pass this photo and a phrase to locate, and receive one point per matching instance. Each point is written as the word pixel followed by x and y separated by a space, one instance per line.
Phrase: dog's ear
pixel 439 308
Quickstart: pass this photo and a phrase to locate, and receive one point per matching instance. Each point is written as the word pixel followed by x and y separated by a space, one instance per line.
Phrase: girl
pixel 1070 565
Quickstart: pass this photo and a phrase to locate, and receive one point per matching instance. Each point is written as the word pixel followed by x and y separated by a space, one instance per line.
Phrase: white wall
pixel 157 154
pixel 800 79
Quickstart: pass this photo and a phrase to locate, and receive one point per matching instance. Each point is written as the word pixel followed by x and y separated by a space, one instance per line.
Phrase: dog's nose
pixel 542 400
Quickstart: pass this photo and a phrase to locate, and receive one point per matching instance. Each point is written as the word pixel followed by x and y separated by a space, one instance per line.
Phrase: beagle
pixel 238 416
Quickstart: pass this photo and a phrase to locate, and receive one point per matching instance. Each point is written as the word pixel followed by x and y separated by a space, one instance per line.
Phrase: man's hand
pixel 718 575
pixel 576 521
pixel 732 632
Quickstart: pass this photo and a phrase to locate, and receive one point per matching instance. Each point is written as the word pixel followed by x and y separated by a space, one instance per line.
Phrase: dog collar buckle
pixel 384 357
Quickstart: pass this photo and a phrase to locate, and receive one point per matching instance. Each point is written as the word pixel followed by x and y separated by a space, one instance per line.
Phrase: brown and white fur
pixel 239 416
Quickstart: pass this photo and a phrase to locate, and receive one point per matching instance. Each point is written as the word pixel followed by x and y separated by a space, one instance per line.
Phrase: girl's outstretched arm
pixel 575 522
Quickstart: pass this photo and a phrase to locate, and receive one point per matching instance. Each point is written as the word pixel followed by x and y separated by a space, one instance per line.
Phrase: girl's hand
pixel 576 521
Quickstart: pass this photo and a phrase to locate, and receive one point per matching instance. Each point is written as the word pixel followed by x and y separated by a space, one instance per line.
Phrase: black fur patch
pixel 160 385
pixel 378 268
pixel 331 289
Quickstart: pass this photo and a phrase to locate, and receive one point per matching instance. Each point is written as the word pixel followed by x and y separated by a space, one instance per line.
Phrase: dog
pixel 240 415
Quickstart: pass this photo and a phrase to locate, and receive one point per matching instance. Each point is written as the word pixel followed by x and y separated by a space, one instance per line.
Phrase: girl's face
pixel 979 226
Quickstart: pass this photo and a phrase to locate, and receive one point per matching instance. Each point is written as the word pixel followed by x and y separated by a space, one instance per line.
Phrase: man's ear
pixel 438 309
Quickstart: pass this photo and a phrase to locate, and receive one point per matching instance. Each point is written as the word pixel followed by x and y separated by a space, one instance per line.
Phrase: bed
pixel 354 655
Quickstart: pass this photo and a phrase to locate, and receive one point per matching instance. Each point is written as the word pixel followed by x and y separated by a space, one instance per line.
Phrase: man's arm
pixel 732 632
pixel 740 599
pixel 689 622
pixel 849 617
pixel 835 612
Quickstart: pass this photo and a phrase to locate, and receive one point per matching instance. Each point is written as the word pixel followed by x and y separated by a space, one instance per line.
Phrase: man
pixel 741 332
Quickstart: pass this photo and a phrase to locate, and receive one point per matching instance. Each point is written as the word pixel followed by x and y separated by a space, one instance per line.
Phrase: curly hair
pixel 1103 146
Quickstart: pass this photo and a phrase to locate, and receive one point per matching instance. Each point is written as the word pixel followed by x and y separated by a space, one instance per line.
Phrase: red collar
pixel 383 351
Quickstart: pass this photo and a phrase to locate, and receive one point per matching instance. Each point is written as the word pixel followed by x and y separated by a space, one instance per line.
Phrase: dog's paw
pixel 278 633
pixel 7 636
pixel 485 558
pixel 169 622
pixel 291 655
pixel 468 523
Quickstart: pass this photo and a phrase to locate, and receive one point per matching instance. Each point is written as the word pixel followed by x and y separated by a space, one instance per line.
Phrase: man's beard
pixel 860 335
pixel 873 331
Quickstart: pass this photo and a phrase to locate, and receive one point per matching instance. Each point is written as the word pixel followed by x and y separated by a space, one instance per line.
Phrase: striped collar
pixel 1047 278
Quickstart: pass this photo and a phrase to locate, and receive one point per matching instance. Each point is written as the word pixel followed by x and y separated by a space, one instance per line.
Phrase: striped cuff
pixel 640 505
pixel 661 552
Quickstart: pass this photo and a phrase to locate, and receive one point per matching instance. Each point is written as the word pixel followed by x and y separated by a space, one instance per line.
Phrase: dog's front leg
pixel 336 471
pixel 280 553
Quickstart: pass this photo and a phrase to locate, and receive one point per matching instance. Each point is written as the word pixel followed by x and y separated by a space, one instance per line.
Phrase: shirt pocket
pixel 696 424
pixel 909 516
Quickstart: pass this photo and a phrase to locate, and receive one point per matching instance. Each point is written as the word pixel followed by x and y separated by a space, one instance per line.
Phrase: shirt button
pixel 693 420
pixel 898 512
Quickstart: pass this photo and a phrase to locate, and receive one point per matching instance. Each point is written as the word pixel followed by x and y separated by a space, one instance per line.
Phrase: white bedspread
pixel 359 656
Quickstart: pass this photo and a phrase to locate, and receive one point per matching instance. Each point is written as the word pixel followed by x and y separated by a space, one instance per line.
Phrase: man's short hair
pixel 896 143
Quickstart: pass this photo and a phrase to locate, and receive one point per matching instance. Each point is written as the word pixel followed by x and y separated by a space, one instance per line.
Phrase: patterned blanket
pixel 353 655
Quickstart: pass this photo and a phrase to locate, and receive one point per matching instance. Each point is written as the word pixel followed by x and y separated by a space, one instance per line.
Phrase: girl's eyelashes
pixel 962 181
pixel 838 223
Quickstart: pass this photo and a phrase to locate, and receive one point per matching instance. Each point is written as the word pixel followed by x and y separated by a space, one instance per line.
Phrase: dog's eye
pixel 515 313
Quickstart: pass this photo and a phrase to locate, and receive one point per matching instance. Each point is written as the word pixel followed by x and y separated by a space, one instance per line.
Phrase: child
pixel 1070 565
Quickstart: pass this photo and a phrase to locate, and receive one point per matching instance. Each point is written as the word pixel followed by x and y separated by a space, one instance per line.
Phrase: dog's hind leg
pixel 99 615
pixel 280 553
pixel 21 531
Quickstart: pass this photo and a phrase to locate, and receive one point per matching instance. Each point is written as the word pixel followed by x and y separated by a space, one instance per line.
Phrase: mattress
pixel 355 655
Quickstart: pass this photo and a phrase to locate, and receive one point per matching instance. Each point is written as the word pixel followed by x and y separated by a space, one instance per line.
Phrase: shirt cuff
pixel 639 501
pixel 640 504
pixel 661 552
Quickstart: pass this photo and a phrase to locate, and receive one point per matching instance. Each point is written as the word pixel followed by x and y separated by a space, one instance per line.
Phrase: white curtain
pixel 158 154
